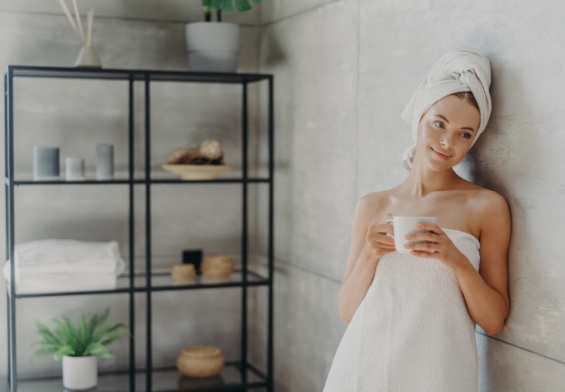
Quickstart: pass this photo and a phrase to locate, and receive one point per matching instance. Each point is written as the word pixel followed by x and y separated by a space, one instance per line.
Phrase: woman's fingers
pixel 383 239
pixel 427 237
pixel 381 228
pixel 384 245
pixel 379 237
pixel 431 227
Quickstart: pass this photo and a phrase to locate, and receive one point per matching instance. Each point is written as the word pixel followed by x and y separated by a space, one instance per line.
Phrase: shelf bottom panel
pixel 164 380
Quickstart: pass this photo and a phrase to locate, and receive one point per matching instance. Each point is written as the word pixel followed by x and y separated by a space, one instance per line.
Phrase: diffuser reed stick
pixel 87 56
pixel 89 21
pixel 79 23
pixel 70 19
pixel 76 23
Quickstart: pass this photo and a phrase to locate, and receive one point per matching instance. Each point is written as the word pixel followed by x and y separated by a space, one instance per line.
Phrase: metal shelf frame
pixel 147 78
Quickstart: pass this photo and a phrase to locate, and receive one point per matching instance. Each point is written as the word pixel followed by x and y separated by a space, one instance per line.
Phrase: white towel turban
pixel 454 72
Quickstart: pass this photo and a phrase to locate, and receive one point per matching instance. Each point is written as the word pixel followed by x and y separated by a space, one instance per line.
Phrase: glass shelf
pixel 161 282
pixel 157 177
pixel 164 380
pixel 229 380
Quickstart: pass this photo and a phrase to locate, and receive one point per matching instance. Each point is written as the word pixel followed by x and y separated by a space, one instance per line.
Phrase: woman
pixel 411 317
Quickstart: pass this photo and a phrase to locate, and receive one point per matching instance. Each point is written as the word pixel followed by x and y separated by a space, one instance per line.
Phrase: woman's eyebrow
pixel 447 121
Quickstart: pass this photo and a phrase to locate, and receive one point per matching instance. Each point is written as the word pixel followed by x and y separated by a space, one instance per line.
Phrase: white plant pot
pixel 212 46
pixel 80 373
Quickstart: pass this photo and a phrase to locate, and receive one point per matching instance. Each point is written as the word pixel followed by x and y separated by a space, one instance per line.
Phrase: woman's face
pixel 446 132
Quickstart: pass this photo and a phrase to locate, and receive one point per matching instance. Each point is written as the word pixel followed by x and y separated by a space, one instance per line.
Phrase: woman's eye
pixel 466 135
pixel 439 124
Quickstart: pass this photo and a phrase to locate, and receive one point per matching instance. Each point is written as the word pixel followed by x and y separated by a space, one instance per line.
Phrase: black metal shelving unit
pixel 238 375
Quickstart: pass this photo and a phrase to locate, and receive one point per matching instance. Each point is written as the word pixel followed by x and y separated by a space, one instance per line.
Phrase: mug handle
pixel 387 222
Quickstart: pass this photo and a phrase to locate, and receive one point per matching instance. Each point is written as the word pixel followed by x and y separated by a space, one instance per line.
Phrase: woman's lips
pixel 441 155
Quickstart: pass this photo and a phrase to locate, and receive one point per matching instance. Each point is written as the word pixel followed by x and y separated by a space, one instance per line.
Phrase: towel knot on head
pixel 455 72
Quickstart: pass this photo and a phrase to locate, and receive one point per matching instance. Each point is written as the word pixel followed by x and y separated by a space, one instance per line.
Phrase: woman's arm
pixel 366 248
pixel 486 292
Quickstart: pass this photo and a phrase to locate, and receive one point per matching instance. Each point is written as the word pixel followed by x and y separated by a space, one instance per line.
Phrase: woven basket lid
pixel 201 351
pixel 217 261
pixel 183 267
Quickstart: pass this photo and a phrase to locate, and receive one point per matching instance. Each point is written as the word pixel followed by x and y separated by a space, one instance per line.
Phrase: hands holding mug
pixel 418 236
pixel 431 242
pixel 380 238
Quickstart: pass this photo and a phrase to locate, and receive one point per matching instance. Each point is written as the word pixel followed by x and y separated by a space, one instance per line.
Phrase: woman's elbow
pixel 493 330
pixel 497 325
pixel 344 313
pixel 344 317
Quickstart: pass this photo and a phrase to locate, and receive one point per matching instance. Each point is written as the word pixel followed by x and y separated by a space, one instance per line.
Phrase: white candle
pixel 45 163
pixel 74 169
pixel 104 162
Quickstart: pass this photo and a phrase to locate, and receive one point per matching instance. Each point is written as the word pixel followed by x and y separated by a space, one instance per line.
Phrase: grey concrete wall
pixel 344 70
pixel 75 115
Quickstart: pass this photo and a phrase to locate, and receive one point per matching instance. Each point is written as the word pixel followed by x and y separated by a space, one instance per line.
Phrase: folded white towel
pixel 38 282
pixel 65 265
pixel 54 256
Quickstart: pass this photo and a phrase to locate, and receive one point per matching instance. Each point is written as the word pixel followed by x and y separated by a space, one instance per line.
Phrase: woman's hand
pixel 379 241
pixel 435 244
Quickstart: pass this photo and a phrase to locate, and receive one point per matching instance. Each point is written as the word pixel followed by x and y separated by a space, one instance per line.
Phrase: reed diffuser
pixel 87 56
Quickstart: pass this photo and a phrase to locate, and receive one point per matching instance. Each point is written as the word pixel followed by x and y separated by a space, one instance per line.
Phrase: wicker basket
pixel 217 266
pixel 183 272
pixel 200 361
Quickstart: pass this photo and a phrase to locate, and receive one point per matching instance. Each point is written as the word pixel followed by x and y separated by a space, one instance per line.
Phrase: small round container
pixel 217 266
pixel 183 272
pixel 200 361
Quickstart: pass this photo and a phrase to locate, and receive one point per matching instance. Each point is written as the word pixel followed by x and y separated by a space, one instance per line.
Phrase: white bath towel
pixel 52 256
pixel 65 265
pixel 29 282
pixel 454 72
pixel 412 331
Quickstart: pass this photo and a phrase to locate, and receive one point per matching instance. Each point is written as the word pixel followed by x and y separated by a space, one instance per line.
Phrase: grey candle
pixel 104 161
pixel 45 163
pixel 74 169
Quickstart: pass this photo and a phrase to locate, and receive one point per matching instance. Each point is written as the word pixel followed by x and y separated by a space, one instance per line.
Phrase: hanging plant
pixel 226 6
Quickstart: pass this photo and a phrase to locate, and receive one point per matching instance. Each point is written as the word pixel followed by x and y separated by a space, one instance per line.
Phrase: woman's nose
pixel 446 140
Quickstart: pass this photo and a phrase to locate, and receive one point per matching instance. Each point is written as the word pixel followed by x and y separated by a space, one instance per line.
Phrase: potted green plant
pixel 79 346
pixel 213 46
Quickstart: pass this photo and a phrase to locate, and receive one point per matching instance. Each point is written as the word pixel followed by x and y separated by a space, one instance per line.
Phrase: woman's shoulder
pixel 374 205
pixel 486 205
pixel 491 214
pixel 374 199
pixel 484 197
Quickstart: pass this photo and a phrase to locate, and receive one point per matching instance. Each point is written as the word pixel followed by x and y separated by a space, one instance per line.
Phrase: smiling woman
pixel 411 315
pixel 448 129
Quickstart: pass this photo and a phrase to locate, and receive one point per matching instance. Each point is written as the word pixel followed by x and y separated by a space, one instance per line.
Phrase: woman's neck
pixel 423 181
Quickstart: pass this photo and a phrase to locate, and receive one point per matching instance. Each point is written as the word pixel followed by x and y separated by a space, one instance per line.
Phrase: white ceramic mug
pixel 404 225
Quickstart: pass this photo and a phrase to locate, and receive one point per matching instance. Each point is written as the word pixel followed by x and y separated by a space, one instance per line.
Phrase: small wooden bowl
pixel 200 361
pixel 183 272
pixel 217 266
